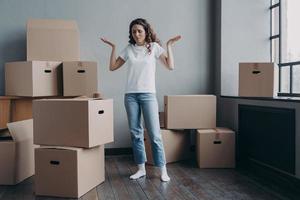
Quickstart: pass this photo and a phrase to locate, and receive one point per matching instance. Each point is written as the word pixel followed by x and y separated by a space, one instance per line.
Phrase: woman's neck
pixel 141 44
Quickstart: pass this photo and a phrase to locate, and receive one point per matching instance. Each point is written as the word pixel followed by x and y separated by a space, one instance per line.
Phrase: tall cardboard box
pixel 176 145
pixel 32 78
pixel 4 112
pixel 258 79
pixel 215 148
pixel 79 122
pixel 16 152
pixel 190 111
pixel 80 78
pixel 68 172
pixel 52 40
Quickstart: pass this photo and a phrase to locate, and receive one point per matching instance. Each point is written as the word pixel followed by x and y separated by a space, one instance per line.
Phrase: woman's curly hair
pixel 150 34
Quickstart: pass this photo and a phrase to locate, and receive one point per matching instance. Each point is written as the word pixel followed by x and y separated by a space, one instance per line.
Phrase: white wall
pixel 111 18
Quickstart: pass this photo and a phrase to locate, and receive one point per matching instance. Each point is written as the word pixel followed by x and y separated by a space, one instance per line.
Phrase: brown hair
pixel 150 34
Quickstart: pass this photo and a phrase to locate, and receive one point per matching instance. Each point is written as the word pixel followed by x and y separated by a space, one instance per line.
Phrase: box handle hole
pixel 81 71
pixel 54 162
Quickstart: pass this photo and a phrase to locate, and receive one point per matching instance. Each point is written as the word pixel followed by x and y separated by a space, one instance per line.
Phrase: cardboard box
pixel 79 122
pixel 176 145
pixel 215 148
pixel 52 40
pixel 68 172
pixel 258 79
pixel 80 78
pixel 32 78
pixel 16 152
pixel 190 111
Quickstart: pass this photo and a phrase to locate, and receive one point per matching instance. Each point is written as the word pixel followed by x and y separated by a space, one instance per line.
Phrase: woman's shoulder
pixel 155 45
pixel 127 47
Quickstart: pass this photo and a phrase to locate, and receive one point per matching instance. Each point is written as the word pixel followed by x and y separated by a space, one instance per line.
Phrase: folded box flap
pixel 52 24
pixel 215 130
pixel 210 130
pixel 21 130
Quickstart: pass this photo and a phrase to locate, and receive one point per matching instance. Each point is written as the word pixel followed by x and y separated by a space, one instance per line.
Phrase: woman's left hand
pixel 173 40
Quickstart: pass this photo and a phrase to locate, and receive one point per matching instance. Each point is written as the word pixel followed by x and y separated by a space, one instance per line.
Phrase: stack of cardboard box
pixel 53 66
pixel 72 131
pixel 185 112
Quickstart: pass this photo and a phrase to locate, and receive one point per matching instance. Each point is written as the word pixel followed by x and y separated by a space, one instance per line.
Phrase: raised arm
pixel 168 60
pixel 114 63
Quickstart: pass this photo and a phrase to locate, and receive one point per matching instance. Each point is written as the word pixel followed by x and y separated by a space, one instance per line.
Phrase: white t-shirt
pixel 141 67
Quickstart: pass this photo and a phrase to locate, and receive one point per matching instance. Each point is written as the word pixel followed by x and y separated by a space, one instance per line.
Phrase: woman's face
pixel 138 34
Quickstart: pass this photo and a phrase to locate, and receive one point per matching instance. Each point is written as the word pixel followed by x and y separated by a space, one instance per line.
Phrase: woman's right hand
pixel 113 63
pixel 108 42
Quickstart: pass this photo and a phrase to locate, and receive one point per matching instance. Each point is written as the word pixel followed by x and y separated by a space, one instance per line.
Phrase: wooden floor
pixel 187 182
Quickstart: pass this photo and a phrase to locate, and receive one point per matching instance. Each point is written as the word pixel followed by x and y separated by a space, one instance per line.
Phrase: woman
pixel 140 95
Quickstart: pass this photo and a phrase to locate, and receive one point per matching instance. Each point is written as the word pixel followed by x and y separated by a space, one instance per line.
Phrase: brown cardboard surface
pixel 16 154
pixel 258 79
pixel 190 111
pixel 52 40
pixel 21 109
pixel 4 112
pixel 32 78
pixel 176 145
pixel 8 164
pixel 73 122
pixel 215 148
pixel 68 172
pixel 14 109
pixel 80 78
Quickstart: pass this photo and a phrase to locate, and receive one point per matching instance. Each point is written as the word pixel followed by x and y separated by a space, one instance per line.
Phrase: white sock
pixel 140 172
pixel 164 174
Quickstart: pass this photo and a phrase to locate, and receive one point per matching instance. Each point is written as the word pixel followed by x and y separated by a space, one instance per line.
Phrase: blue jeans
pixel 137 104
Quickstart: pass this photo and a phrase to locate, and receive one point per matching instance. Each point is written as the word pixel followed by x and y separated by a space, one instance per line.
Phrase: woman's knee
pixel 156 140
pixel 137 134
